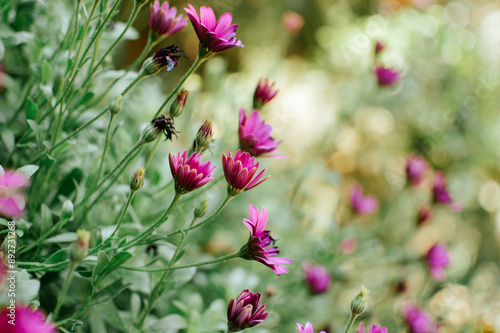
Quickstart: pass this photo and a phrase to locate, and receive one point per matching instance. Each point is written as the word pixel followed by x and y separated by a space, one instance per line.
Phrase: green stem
pixel 124 211
pixel 351 321
pixel 106 147
pixel 64 291
pixel 173 268
pixel 199 60
pixel 157 224
pixel 76 28
pixel 149 45
pixel 151 154
pixel 135 11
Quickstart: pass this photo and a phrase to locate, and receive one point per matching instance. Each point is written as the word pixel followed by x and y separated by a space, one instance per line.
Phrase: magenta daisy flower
pixel 416 170
pixel 12 201
pixel 255 135
pixel 373 329
pixel 386 76
pixel 264 93
pixel 440 194
pixel 437 259
pixel 317 278
pixel 215 36
pixel 188 172
pixel 307 329
pixel 360 203
pixel 163 20
pixel 240 171
pixel 418 320
pixel 259 246
pixel 245 311
pixel 26 321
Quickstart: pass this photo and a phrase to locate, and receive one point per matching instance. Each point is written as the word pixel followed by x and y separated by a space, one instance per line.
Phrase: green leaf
pixel 85 98
pixel 63 238
pixel 46 218
pixel 58 257
pixel 67 210
pixel 26 288
pixel 49 161
pixel 69 66
pixel 31 110
pixel 102 263
pixel 46 72
pixel 8 138
pixel 28 170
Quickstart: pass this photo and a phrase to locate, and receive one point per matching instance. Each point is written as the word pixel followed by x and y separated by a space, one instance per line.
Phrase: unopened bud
pixel 203 137
pixel 151 66
pixel 358 303
pixel 78 250
pixel 264 93
pixel 137 180
pixel 116 106
pixel 201 210
pixel 178 106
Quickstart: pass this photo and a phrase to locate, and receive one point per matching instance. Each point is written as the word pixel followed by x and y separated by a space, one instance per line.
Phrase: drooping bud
pixel 203 137
pixel 163 124
pixel 78 250
pixel 137 180
pixel 358 303
pixel 201 210
pixel 264 93
pixel 177 107
pixel 116 106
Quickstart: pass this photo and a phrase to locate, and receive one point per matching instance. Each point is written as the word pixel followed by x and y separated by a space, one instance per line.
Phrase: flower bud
pixel 137 180
pixel 116 106
pixel 201 210
pixel 358 303
pixel 264 93
pixel 178 106
pixel 203 137
pixel 151 66
pixel 78 250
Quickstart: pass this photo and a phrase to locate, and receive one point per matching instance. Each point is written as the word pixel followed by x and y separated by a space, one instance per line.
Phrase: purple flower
pixel 437 259
pixel 162 19
pixel 386 76
pixel 362 204
pixel 379 47
pixel 188 172
pixel 240 171
pixel 245 311
pixel 416 169
pixel 26 321
pixel 255 135
pixel 418 320
pixel 264 93
pixel 440 194
pixel 259 246
pixel 12 201
pixel 373 329
pixel 214 36
pixel 317 278
pixel 307 329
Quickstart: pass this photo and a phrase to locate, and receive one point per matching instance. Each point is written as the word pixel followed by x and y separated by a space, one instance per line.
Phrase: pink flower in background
pixel 416 169
pixel 162 19
pixel 292 22
pixel 12 201
pixel 240 171
pixel 424 214
pixel 418 320
pixel 26 321
pixel 379 47
pixel 440 194
pixel 264 93
pixel 255 135
pixel 307 329
pixel 259 246
pixel 317 278
pixel 188 172
pixel 360 203
pixel 386 76
pixel 214 36
pixel 437 259
pixel 245 311
pixel 373 329
pixel 348 246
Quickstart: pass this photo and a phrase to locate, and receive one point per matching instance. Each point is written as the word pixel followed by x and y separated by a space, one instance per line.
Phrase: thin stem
pixel 350 322
pixel 124 211
pixel 106 147
pixel 76 28
pixel 173 268
pixel 64 290
pixel 149 45
pixel 151 154
pixel 157 224
pixel 199 60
